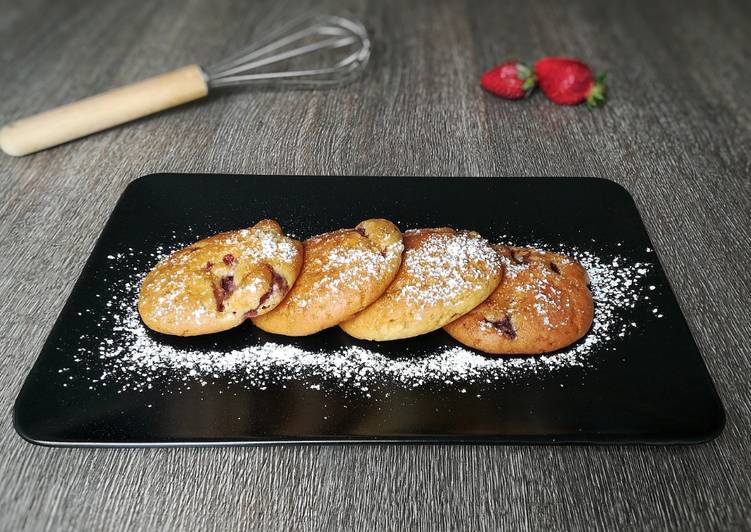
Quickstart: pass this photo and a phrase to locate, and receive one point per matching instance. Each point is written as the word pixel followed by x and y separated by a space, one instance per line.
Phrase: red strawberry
pixel 569 82
pixel 510 80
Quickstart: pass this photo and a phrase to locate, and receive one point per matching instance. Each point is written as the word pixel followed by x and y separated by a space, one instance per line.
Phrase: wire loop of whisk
pixel 335 49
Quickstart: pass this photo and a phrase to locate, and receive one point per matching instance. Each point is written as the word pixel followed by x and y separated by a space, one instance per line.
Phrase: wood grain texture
pixel 676 133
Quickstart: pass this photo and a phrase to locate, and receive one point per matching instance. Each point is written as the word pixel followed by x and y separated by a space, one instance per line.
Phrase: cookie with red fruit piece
pixel 567 81
pixel 219 282
pixel 543 304
pixel 343 272
pixel 511 80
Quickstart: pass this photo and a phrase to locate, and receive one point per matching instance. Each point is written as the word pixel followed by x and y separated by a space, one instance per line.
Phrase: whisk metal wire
pixel 302 37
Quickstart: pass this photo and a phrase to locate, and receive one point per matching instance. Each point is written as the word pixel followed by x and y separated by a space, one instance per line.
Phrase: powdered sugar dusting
pixel 532 272
pixel 132 358
pixel 344 267
pixel 450 265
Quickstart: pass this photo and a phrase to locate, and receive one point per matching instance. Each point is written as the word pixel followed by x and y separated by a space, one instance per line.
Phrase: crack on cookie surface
pixel 519 256
pixel 374 241
pixel 278 285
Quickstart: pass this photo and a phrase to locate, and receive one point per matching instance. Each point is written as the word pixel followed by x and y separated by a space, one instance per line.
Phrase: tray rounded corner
pixel 617 187
pixel 717 426
pixel 23 431
pixel 145 179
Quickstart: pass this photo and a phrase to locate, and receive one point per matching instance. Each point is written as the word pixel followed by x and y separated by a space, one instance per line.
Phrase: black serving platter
pixel 650 386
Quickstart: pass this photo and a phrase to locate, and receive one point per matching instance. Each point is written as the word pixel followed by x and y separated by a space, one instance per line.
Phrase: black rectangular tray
pixel 648 385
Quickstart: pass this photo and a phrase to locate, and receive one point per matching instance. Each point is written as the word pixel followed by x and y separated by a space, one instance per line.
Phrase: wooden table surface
pixel 676 133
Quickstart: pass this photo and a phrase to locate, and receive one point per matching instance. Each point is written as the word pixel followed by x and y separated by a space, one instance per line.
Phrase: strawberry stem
pixel 596 96
pixel 525 74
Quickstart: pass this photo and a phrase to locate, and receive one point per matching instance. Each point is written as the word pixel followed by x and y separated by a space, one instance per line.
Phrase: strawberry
pixel 569 82
pixel 511 80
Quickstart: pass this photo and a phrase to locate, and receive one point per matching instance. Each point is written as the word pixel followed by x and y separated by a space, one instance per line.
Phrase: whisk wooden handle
pixel 103 111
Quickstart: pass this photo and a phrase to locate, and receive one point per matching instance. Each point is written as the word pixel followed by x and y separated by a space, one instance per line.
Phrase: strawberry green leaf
pixel 596 96
pixel 529 84
pixel 523 72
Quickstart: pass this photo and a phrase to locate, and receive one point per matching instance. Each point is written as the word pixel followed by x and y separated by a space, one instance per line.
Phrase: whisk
pixel 333 50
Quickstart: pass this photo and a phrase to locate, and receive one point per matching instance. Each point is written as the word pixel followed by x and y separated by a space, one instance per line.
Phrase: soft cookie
pixel 542 305
pixel 343 272
pixel 220 281
pixel 444 274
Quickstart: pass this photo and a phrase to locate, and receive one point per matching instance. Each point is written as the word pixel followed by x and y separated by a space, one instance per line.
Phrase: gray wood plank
pixel 676 133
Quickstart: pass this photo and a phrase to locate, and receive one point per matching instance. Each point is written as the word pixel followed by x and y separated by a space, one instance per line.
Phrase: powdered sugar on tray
pixel 133 358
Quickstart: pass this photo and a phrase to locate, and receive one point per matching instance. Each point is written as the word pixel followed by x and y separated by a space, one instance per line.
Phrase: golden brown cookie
pixel 344 272
pixel 220 281
pixel 542 305
pixel 444 274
